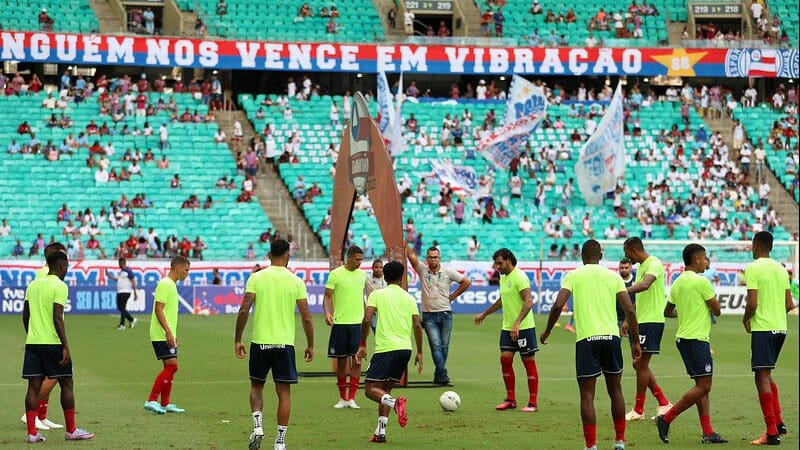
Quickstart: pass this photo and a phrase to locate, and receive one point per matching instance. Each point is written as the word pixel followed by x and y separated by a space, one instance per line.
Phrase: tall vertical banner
pixel 397 146
pixel 384 98
pixel 525 108
pixel 602 156
pixel 364 167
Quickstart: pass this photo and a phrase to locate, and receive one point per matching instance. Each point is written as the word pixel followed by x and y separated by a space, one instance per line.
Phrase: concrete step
pixel 111 21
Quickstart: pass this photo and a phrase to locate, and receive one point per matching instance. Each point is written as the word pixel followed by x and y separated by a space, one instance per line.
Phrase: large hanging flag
pixel 384 98
pixel 396 143
pixel 525 108
pixel 602 156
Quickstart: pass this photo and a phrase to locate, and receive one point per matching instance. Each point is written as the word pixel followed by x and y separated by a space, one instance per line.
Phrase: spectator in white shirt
pixel 611 232
pixel 5 229
pixel 101 176
pixel 525 225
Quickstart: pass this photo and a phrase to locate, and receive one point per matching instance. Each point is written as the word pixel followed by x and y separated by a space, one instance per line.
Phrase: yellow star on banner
pixel 680 63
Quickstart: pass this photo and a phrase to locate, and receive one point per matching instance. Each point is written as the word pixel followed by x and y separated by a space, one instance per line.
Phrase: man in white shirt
pixel 750 93
pixel 744 158
pixel 101 176
pixel 480 91
pixel 435 282
pixel 738 135
pixel 756 8
pixel 219 137
pixel 763 192
pixel 611 232
pixel 590 41
pixel 589 127
pixel 5 229
pixel 525 225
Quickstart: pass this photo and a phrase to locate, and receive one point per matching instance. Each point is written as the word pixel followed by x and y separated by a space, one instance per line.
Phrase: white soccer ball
pixel 449 401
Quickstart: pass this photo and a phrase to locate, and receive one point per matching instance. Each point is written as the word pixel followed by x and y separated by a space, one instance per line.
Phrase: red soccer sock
pixel 671 415
pixel 659 395
pixel 638 407
pixel 353 387
pixel 341 382
pixel 705 422
pixel 776 404
pixel 590 435
pixel 619 429
pixel 533 379
pixel 166 390
pixel 69 418
pixel 30 420
pixel 42 409
pixel 507 365
pixel 766 408
pixel 158 384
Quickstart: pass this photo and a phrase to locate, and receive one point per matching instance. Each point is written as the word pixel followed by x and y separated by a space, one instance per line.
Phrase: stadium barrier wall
pixel 91 292
pixel 65 48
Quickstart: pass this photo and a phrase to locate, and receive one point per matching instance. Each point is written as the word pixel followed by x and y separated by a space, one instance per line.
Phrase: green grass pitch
pixel 115 369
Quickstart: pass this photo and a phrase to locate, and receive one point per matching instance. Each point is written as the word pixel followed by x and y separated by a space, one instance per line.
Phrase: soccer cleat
pixel 400 409
pixel 78 435
pixel 39 424
pixel 279 446
pixel 378 438
pixel 662 410
pixel 341 404
pixel 782 428
pixel 133 322
pixel 619 445
pixel 530 408
pixel 121 327
pixel 35 439
pixel 255 438
pixel 713 438
pixel 172 408
pixel 663 429
pixel 633 415
pixel 352 404
pixel 594 447
pixel 506 405
pixel 766 439
pixel 155 407
pixel 52 425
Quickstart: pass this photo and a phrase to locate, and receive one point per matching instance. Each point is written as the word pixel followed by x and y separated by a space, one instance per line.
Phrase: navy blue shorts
pixel 765 347
pixel 164 352
pixel 388 366
pixel 598 354
pixel 41 360
pixel 276 357
pixel 650 337
pixel 344 340
pixel 696 357
pixel 525 345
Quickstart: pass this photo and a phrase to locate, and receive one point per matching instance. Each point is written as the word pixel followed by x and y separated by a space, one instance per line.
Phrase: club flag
pixel 602 156
pixel 524 99
pixel 397 145
pixel 384 98
pixel 502 145
pixel 462 179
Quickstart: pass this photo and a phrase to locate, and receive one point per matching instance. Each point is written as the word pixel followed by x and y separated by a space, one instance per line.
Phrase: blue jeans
pixel 437 326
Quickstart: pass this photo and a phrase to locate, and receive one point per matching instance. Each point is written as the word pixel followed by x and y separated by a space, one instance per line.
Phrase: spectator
pixel 149 21
pixel 250 253
pixel 222 8
pixel 175 183
pixel 536 8
pixel 101 176
pixel 392 17
pixel 473 246
pixel 331 27
pixel 525 225
pixel 18 250
pixel 45 21
pixel 198 246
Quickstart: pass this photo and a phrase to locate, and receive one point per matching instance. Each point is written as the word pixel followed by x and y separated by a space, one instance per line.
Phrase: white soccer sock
pixel 256 419
pixel 387 400
pixel 382 422
pixel 281 438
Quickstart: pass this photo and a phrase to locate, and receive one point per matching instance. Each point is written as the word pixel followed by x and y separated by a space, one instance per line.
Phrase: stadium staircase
pixel 383 7
pixel 779 197
pixel 274 197
pixel 110 21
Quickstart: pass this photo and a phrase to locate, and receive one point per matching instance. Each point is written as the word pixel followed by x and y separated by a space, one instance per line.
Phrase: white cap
pixel 482 82
pixel 44 10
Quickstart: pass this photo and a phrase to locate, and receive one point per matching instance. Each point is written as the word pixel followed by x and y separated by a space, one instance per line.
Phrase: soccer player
pixel 374 283
pixel 46 347
pixel 650 287
pixel 164 336
pixel 769 298
pixel 48 384
pixel 399 319
pixel 518 333
pixel 595 291
pixel 691 299
pixel 275 291
pixel 344 310
pixel 628 276
pixel 126 284
pixel 437 312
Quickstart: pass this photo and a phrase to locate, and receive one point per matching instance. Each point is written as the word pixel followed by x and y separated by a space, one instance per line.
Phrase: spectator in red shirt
pixel 185 246
pixel 130 246
pixel 197 248
pixel 24 128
